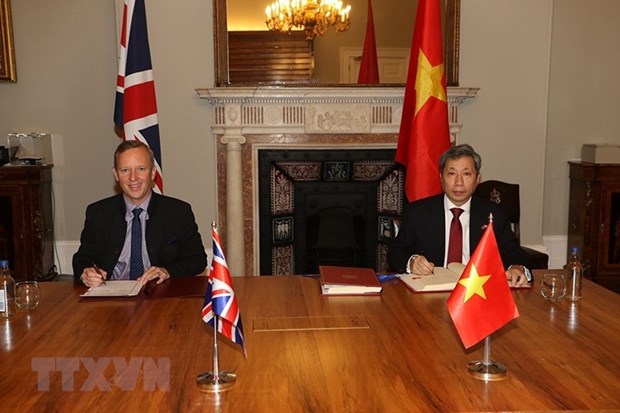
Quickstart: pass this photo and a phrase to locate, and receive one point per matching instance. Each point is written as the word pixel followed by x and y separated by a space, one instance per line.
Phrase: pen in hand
pixel 99 272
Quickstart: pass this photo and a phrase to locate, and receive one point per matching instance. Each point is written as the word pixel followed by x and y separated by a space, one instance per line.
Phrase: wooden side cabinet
pixel 594 220
pixel 26 225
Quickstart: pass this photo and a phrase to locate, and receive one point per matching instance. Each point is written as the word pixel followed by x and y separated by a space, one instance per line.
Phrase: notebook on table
pixel 348 281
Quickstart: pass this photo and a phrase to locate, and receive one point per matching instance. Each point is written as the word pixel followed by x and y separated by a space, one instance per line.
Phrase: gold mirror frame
pixel 7 52
pixel 222 78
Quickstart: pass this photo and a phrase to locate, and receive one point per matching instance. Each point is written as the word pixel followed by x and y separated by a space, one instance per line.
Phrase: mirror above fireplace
pixel 330 58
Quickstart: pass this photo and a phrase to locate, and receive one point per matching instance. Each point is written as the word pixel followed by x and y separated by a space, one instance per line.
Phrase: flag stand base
pixel 486 369
pixel 492 371
pixel 216 383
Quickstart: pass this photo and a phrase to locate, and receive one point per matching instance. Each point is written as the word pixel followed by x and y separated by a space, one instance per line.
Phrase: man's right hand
pixel 92 278
pixel 419 265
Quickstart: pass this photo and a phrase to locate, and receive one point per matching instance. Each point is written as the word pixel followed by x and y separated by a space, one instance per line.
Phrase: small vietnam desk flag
pixel 481 302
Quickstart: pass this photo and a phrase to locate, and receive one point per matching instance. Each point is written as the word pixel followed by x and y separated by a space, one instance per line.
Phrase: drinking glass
pixel 553 287
pixel 27 294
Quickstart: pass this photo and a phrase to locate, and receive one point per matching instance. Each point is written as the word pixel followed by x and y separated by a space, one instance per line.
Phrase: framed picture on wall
pixel 7 51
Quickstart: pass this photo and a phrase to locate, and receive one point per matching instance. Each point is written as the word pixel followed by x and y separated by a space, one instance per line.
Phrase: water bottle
pixel 575 275
pixel 7 291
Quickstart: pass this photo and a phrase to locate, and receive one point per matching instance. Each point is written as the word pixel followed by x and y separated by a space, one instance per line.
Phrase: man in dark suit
pixel 166 241
pixel 421 243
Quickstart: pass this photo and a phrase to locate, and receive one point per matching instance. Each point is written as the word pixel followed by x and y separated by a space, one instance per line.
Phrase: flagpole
pixel 216 357
pixel 486 369
pixel 218 311
pixel 216 381
pixel 487 351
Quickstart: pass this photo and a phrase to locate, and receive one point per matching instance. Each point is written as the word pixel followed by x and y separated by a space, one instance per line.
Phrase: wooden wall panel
pixel 265 56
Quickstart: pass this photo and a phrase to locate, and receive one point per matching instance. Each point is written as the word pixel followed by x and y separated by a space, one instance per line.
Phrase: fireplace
pixel 340 121
pixel 326 207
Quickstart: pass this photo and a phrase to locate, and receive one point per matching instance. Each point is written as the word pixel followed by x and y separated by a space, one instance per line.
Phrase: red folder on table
pixel 348 281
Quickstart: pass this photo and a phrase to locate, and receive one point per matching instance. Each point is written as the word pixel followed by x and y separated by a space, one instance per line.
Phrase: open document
pixel 119 288
pixel 442 279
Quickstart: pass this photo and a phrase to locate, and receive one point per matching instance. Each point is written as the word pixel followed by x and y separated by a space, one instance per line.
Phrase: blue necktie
pixel 136 267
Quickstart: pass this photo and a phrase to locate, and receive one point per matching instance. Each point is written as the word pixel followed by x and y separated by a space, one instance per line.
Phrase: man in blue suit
pixel 166 241
pixel 421 243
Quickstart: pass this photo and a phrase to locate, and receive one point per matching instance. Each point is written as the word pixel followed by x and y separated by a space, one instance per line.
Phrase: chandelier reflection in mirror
pixel 313 16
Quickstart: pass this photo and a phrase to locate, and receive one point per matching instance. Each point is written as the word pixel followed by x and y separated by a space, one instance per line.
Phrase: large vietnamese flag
pixel 424 129
pixel 481 302
pixel 369 67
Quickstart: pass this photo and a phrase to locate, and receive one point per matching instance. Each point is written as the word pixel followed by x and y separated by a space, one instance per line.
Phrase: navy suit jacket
pixel 172 238
pixel 422 232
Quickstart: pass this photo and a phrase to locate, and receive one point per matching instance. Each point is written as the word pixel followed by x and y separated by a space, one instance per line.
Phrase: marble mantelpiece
pixel 248 119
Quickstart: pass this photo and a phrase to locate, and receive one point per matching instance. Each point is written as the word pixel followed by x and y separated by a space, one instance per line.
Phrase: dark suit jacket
pixel 171 234
pixel 422 232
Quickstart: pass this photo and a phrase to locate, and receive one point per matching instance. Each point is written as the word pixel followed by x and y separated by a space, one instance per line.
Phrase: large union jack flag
pixel 135 110
pixel 220 299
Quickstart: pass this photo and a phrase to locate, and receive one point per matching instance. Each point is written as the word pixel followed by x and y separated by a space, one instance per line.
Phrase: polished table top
pixel 398 352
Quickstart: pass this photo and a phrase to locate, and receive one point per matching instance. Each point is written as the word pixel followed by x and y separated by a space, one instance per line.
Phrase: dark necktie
pixel 136 267
pixel 455 248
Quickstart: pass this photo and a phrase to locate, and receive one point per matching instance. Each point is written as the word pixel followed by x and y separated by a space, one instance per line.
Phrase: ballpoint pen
pixel 99 272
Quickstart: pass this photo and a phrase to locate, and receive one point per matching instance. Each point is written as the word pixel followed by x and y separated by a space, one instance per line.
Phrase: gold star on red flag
pixel 474 283
pixel 428 82
pixel 481 304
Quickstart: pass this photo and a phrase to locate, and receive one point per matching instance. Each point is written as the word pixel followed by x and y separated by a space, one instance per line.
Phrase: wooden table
pixel 398 352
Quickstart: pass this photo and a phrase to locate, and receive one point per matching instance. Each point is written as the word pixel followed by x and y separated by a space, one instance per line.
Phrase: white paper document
pixel 442 279
pixel 119 288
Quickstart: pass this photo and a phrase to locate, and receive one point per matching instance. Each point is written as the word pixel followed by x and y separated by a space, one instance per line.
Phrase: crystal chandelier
pixel 314 16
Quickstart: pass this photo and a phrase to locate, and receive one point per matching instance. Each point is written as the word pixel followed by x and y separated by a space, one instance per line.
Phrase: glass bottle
pixel 575 275
pixel 7 291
